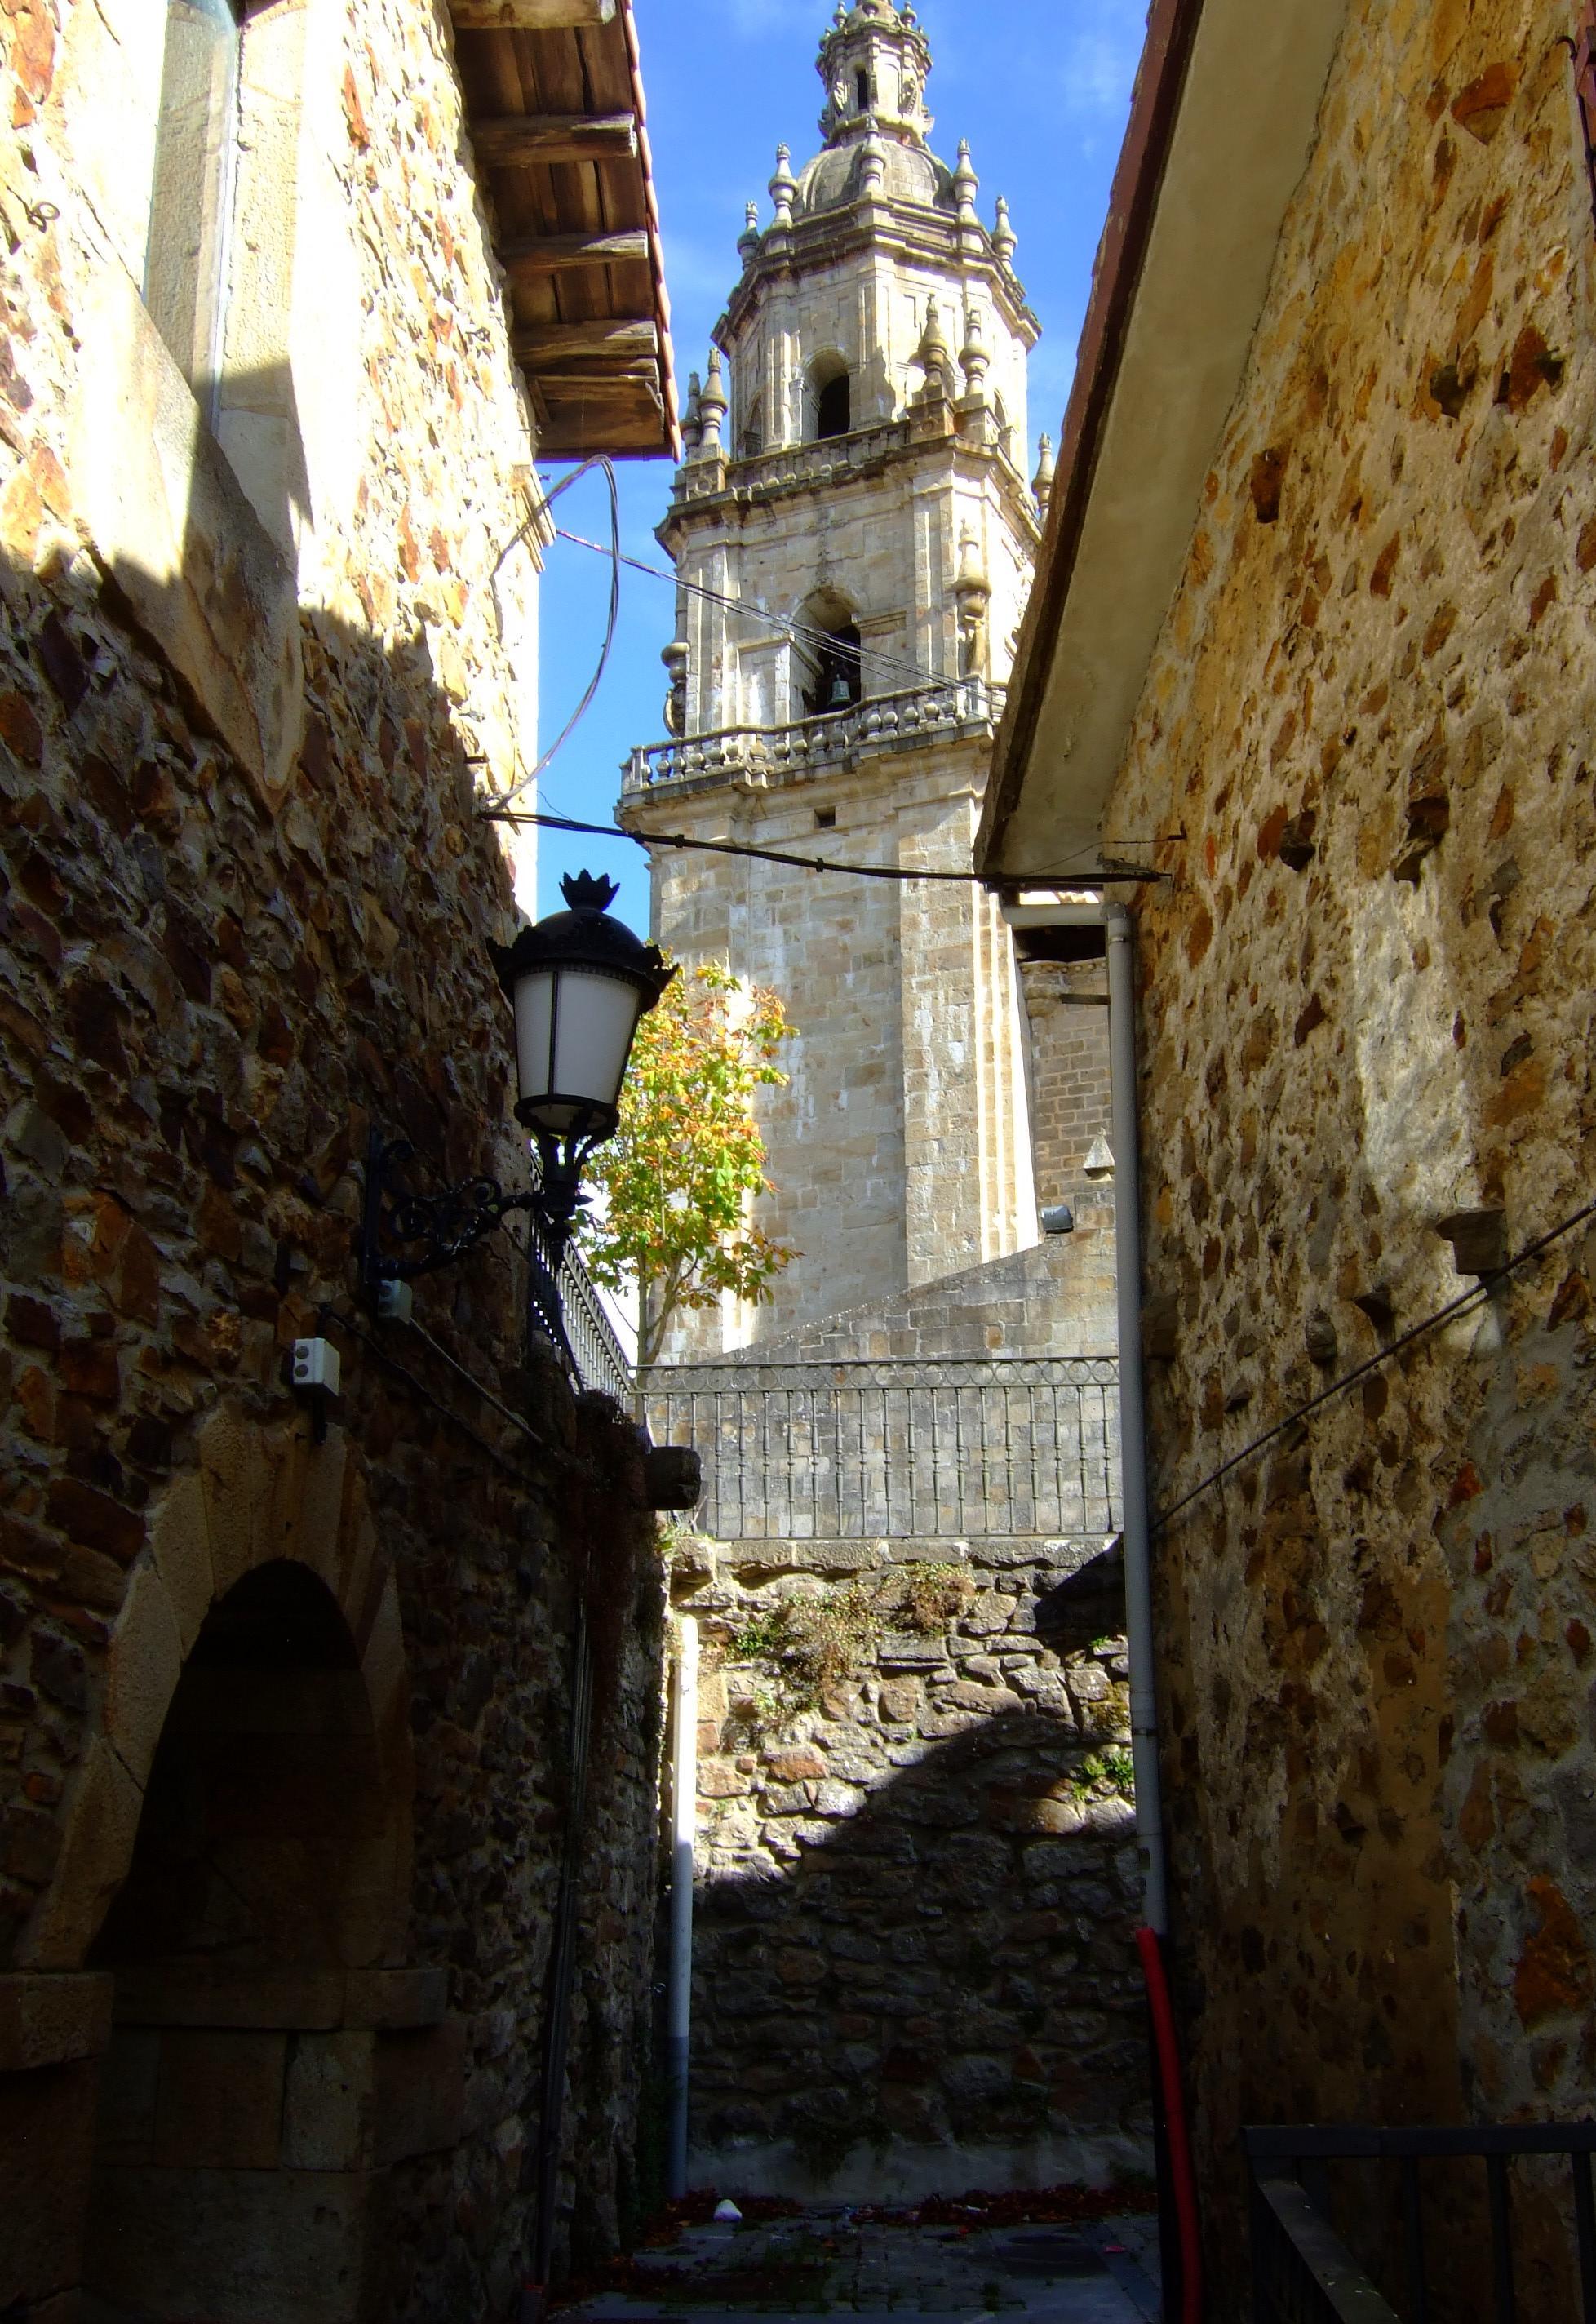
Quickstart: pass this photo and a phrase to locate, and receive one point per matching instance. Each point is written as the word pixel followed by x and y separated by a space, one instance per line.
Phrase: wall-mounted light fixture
pixel 579 983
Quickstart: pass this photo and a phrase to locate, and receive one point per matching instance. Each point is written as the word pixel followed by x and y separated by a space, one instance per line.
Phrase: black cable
pixel 800 633
pixel 417 1387
pixel 1482 1290
pixel 611 624
pixel 1086 883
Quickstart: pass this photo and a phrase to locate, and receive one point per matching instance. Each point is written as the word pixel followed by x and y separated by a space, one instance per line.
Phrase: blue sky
pixel 1041 87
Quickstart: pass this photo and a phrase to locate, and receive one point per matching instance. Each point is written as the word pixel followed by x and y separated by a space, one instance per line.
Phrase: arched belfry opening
pixel 832 651
pixel 266 1895
pixel 830 398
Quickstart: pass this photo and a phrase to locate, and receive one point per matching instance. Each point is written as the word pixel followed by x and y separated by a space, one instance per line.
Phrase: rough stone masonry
pixel 917 1868
pixel 282 1775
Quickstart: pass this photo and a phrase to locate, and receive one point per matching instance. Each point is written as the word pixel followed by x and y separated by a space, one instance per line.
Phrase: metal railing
pixel 1303 2273
pixel 918 1449
pixel 565 1306
pixel 880 723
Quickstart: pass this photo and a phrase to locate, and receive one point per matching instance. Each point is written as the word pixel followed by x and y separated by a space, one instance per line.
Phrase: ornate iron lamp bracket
pixel 403 1234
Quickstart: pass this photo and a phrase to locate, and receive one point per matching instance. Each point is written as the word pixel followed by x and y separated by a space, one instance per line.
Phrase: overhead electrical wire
pixel 1458 1306
pixel 1087 882
pixel 800 633
pixel 602 462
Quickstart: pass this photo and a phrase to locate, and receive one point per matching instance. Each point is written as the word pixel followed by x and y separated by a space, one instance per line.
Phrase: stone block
pixel 421 2090
pixel 185 551
pixel 180 1544
pixel 130 2083
pixel 52 2020
pixel 143 1668
pixel 103 1813
pixel 47 2127
pixel 328 2102
pixel 220 2103
pixel 238 2247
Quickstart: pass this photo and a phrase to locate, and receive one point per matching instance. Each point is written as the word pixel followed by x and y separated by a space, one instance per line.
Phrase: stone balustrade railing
pixel 792 464
pixel 881 722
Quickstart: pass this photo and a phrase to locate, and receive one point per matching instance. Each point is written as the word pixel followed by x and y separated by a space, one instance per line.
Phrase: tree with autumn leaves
pixel 676 1183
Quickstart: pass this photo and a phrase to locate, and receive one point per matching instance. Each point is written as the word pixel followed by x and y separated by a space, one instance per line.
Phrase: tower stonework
pixel 853 537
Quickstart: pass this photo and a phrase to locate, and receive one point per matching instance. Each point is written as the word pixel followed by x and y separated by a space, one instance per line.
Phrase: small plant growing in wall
pixel 808 1645
pixel 930 1596
pixel 1112 1767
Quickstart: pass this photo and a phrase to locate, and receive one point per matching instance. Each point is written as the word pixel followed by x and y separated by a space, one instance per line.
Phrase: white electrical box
pixel 395 1302
pixel 317 1366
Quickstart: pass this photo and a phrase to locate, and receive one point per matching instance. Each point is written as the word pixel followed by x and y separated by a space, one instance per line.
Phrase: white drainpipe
pixel 684 1796
pixel 1133 1486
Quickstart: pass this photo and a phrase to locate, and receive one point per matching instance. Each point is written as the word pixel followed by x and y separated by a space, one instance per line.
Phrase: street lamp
pixel 580 983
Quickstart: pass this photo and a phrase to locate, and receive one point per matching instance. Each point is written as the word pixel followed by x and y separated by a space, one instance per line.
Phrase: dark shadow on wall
pixel 951 1965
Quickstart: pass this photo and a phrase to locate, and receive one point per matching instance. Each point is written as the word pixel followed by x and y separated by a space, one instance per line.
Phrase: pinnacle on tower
pixel 783 186
pixel 1042 481
pixel 1005 242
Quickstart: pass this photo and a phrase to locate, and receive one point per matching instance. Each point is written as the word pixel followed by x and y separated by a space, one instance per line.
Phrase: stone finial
pixel 872 166
pixel 935 360
pixel 1004 240
pixel 783 186
pixel 973 359
pixel 713 407
pixel 748 241
pixel 1041 483
pixel 971 581
pixel 692 418
pixel 966 185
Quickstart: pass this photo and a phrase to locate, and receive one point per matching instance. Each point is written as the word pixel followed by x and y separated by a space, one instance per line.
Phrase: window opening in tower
pixel 861 90
pixel 834 411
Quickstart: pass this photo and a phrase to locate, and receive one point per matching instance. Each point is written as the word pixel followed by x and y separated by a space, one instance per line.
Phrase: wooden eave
pixel 554 103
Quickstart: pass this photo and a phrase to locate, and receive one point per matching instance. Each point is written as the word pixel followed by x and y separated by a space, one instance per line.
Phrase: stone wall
pixel 1366 1007
pixel 913 1959
pixel 1067 1021
pixel 244 902
pixel 896 1151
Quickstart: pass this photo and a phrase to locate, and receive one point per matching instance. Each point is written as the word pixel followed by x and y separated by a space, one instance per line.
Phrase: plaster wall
pixel 1365 1005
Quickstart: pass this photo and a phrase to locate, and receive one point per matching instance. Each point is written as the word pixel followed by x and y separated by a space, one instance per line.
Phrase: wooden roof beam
pixel 529 15
pixel 506 140
pixel 556 343
pixel 562 253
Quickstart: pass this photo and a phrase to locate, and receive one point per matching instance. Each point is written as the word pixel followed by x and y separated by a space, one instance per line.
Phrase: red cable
pixel 1150 1948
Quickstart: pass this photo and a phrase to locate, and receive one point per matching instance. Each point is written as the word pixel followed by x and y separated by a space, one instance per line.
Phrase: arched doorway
pixel 234 2171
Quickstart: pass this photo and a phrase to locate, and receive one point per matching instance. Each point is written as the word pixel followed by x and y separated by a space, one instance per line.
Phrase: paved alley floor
pixel 828 2260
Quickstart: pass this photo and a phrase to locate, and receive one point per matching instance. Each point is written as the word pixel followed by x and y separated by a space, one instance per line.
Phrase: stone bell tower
pixel 853 537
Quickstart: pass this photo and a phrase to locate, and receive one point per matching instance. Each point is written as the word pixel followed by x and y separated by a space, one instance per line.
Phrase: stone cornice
pixel 902 231
pixel 711 493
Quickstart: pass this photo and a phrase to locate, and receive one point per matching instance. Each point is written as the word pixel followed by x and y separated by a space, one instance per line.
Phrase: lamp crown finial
pixel 585 892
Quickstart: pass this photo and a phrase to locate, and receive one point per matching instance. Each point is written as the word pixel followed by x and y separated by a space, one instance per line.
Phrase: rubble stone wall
pixel 913 1967
pixel 244 900
pixel 1367 1005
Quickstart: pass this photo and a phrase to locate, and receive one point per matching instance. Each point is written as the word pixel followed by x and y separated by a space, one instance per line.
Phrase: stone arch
pixel 257 1495
pixel 831 651
pixel 828 397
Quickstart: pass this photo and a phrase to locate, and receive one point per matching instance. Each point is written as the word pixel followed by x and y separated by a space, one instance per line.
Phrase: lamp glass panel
pixel 597 1017
pixel 534 1002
